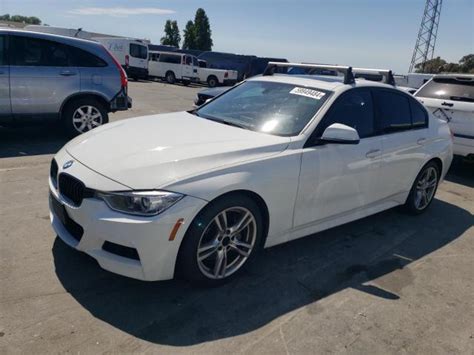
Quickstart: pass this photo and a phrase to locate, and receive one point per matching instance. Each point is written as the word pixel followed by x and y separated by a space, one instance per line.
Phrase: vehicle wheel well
pixel 168 72
pixel 71 99
pixel 213 77
pixel 439 163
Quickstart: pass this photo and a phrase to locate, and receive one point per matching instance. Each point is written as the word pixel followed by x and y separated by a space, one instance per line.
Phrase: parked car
pixel 215 77
pixel 206 94
pixel 173 66
pixel 68 80
pixel 276 158
pixel 132 54
pixel 451 98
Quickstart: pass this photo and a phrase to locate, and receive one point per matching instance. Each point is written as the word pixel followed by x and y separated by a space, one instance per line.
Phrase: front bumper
pixel 147 236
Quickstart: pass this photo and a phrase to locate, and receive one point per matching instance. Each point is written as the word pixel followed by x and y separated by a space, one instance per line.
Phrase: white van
pixel 132 54
pixel 173 66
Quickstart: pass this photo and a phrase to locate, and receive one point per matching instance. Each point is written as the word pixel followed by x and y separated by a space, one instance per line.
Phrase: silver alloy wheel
pixel 425 188
pixel 226 243
pixel 86 118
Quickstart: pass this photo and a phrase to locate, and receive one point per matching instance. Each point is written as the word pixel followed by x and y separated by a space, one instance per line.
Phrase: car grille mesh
pixel 71 188
pixel 53 173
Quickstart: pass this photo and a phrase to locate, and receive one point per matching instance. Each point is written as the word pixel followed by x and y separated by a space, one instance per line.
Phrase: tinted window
pixel 269 107
pixel 170 58
pixel 195 62
pixel 393 111
pixel 2 51
pixel 353 109
pixel 419 116
pixel 82 58
pixel 138 51
pixel 38 52
pixel 448 89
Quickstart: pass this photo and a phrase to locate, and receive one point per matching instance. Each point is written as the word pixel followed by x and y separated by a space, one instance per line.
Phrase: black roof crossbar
pixel 385 73
pixel 345 70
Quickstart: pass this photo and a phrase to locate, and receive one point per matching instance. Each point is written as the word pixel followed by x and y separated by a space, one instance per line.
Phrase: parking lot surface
pixel 389 283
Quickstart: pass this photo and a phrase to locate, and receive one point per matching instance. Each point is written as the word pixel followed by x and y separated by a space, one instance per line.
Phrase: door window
pixel 28 51
pixel 392 110
pixel 3 54
pixel 189 60
pixel 419 116
pixel 353 109
pixel 195 62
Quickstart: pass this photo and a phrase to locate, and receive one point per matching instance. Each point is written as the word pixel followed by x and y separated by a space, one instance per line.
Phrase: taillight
pixel 123 74
pixel 226 74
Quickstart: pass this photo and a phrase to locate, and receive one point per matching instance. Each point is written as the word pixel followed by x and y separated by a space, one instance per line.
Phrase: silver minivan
pixel 46 77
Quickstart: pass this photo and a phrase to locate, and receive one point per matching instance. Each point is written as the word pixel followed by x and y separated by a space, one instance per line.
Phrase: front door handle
pixel 421 141
pixel 67 73
pixel 372 153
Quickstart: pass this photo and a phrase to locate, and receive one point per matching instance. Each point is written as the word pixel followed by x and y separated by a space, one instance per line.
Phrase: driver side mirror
pixel 339 133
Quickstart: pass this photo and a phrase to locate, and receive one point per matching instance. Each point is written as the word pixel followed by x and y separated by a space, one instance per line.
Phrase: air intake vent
pixel 53 173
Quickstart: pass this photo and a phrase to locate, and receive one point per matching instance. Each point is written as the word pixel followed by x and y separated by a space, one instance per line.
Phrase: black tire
pixel 170 77
pixel 186 82
pixel 212 81
pixel 187 263
pixel 411 205
pixel 70 113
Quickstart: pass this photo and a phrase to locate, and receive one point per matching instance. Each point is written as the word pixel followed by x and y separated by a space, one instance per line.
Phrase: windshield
pixel 269 107
pixel 448 89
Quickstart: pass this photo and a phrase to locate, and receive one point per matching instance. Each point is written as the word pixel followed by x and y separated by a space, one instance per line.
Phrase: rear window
pixel 138 51
pixel 448 89
pixel 170 58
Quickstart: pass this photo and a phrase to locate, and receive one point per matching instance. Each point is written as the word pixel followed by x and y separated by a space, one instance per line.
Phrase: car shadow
pixel 461 172
pixel 362 255
pixel 31 140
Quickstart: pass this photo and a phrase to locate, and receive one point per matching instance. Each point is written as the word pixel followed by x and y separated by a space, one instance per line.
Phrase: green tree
pixel 202 31
pixel 432 66
pixel 172 36
pixel 31 20
pixel 466 64
pixel 189 41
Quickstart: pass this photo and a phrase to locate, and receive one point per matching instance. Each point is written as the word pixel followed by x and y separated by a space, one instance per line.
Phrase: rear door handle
pixel 372 153
pixel 67 73
pixel 421 141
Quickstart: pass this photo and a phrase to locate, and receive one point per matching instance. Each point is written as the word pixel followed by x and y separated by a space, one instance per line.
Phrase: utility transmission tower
pixel 425 43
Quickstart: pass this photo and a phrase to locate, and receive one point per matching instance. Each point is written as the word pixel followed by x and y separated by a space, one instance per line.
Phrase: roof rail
pixel 386 73
pixel 347 71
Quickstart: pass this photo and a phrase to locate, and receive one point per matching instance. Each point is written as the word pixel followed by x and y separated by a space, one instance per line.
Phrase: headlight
pixel 141 203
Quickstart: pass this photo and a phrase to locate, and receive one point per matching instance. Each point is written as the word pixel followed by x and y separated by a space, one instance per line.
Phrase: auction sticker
pixel 314 94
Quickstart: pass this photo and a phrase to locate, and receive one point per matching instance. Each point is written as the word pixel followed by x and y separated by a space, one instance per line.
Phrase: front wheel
pixel 170 78
pixel 423 189
pixel 221 240
pixel 212 82
pixel 82 115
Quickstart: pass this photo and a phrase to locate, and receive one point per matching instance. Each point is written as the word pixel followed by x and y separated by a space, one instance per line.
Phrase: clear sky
pixel 370 33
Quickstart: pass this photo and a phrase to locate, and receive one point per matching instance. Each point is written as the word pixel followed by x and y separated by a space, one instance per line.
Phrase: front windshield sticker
pixel 314 94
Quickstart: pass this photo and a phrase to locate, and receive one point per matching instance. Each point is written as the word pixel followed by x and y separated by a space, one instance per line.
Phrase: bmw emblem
pixel 68 164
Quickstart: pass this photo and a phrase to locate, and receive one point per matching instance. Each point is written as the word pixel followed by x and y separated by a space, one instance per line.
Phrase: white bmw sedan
pixel 275 158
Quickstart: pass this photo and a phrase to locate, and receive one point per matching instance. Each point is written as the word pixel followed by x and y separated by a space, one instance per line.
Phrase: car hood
pixel 154 151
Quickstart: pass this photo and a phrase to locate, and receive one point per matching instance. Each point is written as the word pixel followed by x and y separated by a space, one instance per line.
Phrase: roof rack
pixel 386 73
pixel 347 71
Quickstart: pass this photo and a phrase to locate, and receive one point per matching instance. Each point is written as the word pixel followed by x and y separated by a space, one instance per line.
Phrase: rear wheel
pixel 212 81
pixel 423 189
pixel 83 115
pixel 170 78
pixel 221 240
